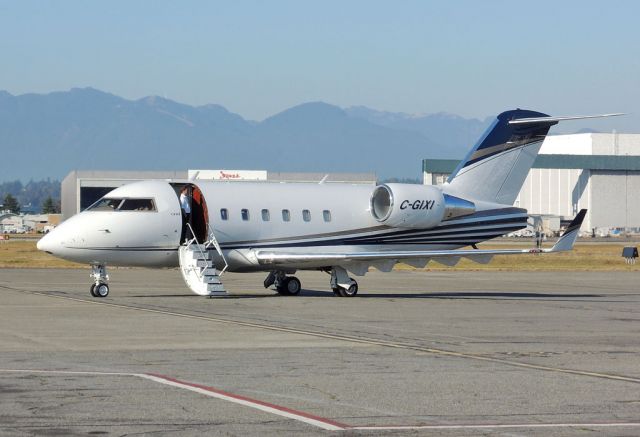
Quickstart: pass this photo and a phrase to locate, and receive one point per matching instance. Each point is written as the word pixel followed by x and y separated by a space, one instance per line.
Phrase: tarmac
pixel 415 353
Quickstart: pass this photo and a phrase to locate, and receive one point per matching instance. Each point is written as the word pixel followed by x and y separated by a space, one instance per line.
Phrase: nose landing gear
pixel 100 287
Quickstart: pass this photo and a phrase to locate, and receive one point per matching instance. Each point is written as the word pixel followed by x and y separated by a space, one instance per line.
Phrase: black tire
pixel 336 291
pixel 101 290
pixel 281 288
pixel 289 286
pixel 293 286
pixel 93 290
pixel 351 291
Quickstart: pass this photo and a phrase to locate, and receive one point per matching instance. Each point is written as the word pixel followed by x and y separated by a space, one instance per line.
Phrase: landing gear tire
pixel 101 290
pixel 100 278
pixel 289 286
pixel 293 286
pixel 348 292
pixel 341 284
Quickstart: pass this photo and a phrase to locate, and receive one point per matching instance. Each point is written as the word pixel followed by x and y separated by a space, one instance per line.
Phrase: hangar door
pixel 614 199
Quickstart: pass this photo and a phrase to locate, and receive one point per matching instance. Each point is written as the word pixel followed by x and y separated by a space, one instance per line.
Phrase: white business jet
pixel 342 229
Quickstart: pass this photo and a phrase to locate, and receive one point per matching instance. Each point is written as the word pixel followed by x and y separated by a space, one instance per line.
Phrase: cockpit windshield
pixel 113 204
pixel 105 204
pixel 137 205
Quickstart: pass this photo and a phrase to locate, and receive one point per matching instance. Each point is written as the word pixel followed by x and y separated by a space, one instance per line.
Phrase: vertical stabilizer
pixel 496 167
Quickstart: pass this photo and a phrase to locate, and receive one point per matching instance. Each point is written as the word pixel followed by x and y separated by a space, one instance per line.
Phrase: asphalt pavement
pixel 436 353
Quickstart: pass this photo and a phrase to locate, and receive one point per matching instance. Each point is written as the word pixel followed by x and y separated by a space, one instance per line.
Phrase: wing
pixel 386 259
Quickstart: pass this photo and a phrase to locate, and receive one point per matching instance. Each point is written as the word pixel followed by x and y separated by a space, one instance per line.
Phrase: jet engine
pixel 416 206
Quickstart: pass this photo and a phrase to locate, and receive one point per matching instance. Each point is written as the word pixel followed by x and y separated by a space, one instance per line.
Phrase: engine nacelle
pixel 416 206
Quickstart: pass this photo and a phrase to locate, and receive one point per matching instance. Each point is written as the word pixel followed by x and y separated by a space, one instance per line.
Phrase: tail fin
pixel 496 167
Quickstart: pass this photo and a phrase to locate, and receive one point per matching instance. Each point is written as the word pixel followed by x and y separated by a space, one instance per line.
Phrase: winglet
pixel 570 235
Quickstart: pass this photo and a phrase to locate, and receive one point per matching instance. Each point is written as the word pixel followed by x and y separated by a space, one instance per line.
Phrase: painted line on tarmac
pixel 349 338
pixel 67 372
pixel 499 426
pixel 311 419
pixel 300 416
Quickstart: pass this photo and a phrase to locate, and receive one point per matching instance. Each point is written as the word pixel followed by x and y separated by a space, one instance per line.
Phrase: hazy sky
pixel 473 58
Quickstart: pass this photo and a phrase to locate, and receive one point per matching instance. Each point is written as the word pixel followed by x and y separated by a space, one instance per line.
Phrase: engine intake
pixel 416 206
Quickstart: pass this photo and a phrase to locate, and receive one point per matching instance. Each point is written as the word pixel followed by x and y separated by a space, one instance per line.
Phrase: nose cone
pixel 47 243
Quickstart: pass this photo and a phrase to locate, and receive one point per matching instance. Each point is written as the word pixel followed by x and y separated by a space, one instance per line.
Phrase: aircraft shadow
pixel 481 295
pixel 486 295
pixel 232 296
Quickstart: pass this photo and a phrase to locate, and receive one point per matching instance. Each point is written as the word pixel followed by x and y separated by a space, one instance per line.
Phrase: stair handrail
pixel 199 271
pixel 212 240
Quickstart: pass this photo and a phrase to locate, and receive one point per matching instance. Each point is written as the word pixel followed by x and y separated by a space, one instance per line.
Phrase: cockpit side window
pixel 138 205
pixel 112 204
pixel 105 204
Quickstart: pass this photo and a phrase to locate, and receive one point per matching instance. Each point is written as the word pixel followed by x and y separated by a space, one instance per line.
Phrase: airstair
pixel 197 266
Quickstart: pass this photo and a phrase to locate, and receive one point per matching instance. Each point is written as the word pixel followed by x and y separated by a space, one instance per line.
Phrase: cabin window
pixel 326 214
pixel 137 205
pixel 105 204
pixel 306 215
pixel 265 215
pixel 244 213
pixel 224 214
pixel 286 215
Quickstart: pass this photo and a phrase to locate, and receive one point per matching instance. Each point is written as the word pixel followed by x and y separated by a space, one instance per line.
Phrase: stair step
pixel 201 255
pixel 196 245
pixel 204 263
pixel 216 288
pixel 210 279
pixel 198 270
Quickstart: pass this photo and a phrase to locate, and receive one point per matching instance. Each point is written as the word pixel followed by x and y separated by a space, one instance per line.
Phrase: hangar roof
pixel 590 162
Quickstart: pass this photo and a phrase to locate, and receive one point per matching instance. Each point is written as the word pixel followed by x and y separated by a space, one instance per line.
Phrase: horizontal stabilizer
pixel 560 118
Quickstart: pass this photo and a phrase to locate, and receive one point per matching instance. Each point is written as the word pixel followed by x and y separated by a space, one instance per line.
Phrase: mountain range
pixel 48 135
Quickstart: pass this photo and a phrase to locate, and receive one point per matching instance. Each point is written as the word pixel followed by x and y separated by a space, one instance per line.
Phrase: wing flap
pixel 266 257
pixel 448 261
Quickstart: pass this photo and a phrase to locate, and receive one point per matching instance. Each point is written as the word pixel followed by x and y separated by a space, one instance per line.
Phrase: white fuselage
pixel 249 216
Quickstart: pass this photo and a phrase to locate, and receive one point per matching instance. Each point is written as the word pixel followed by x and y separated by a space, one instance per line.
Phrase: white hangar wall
pixel 615 198
pixel 599 172
pixel 555 191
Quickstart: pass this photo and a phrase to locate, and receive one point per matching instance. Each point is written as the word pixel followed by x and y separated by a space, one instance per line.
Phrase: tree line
pixel 34 196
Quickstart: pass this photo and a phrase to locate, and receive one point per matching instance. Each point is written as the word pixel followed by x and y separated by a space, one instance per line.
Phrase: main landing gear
pixel 341 284
pixel 100 287
pixel 285 285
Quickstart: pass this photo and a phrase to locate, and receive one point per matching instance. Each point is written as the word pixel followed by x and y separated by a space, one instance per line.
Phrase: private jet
pixel 341 229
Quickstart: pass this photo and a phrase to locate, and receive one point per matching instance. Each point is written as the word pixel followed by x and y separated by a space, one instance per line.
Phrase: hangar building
pixel 600 172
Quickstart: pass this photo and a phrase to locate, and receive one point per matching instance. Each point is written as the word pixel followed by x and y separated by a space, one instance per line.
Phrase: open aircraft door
pixel 198 243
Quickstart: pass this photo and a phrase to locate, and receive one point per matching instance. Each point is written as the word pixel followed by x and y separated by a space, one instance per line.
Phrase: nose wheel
pixel 99 290
pixel 100 287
